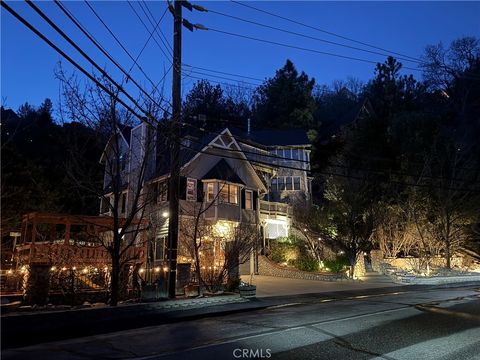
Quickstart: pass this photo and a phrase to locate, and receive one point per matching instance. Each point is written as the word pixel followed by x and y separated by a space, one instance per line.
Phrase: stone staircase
pixel 374 276
pixel 84 279
pixel 377 278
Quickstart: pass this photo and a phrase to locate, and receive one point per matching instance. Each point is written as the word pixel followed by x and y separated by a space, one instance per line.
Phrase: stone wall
pixel 359 269
pixel 411 263
pixel 269 268
pixel 401 276
pixel 376 257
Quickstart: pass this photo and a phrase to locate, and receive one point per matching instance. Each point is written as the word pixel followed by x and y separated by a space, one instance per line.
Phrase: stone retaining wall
pixel 399 276
pixel 269 268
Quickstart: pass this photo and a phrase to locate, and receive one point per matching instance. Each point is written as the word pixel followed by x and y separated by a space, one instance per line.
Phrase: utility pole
pixel 175 150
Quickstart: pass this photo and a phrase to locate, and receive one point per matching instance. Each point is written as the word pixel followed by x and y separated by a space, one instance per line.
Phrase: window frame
pixel 210 186
pixel 191 196
pixel 249 192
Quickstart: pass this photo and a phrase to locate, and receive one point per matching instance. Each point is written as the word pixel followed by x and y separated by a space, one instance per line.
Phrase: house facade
pixel 227 178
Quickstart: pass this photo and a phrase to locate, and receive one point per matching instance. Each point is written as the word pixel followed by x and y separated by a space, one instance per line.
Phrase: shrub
pixel 306 263
pixel 337 264
pixel 282 251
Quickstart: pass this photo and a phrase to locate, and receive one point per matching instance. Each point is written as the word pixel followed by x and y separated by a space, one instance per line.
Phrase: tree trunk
pixel 115 280
pixel 197 271
pixel 448 254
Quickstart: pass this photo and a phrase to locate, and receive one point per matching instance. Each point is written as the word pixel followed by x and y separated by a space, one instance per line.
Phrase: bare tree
pixel 127 162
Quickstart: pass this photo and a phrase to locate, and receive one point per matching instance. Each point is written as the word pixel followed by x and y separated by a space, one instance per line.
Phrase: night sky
pixel 28 64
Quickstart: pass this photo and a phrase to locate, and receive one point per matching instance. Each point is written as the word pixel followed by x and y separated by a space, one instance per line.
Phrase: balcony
pixel 48 253
pixel 275 210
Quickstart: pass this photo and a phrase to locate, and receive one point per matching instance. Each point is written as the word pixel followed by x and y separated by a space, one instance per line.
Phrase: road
pixel 407 324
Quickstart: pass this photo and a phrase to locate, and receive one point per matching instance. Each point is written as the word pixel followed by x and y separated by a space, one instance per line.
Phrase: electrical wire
pixel 307 36
pixel 323 31
pixel 104 51
pixel 73 62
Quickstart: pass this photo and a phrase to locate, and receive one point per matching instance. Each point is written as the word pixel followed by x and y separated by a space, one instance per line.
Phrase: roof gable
pixel 222 171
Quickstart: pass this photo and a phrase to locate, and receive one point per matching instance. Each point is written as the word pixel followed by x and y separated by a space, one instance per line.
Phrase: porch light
pixel 53 268
pixel 157 269
pixel 165 214
pixel 9 271
pixel 165 269
pixel 141 271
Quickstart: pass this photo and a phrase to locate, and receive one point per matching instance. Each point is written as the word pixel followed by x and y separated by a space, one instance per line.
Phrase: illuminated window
pixel 233 194
pixel 248 200
pixel 210 192
pixel 223 196
pixel 228 193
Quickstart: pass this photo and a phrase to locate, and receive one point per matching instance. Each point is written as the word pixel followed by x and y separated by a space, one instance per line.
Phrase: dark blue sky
pixel 27 64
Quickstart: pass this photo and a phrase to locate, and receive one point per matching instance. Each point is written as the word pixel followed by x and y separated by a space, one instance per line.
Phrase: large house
pixel 235 177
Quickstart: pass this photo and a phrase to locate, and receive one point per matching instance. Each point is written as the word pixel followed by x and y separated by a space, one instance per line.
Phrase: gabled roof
pixel 222 171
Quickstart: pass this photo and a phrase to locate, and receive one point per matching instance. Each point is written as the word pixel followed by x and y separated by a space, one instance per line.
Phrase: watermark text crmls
pixel 239 353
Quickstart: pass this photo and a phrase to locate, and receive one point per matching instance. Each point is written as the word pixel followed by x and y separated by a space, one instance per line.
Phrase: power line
pixel 73 62
pixel 121 45
pixel 168 56
pixel 220 82
pixel 148 39
pixel 102 49
pixel 306 36
pixel 90 60
pixel 223 72
pixel 159 29
pixel 323 31
pixel 223 78
pixel 294 46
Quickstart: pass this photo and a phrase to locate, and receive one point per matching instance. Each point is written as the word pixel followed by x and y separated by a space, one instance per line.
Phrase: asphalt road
pixel 409 324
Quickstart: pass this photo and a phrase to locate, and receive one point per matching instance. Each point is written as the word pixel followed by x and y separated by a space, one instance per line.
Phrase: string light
pixel 74 268
pixel 64 268
pixel 85 270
